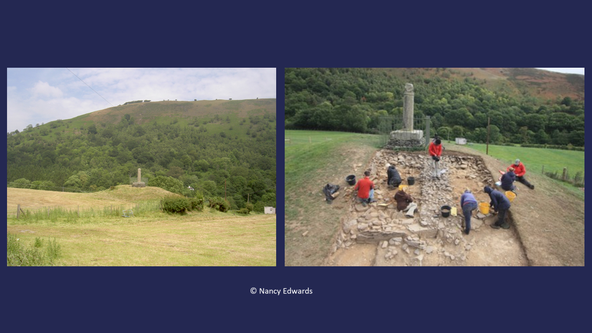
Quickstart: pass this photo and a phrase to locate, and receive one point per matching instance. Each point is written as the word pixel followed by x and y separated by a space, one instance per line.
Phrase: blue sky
pixel 41 95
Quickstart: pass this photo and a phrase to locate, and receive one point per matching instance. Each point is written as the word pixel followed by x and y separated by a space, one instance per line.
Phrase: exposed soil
pixel 547 224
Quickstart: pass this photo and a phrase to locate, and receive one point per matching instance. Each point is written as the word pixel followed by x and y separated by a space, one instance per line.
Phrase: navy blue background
pixel 299 34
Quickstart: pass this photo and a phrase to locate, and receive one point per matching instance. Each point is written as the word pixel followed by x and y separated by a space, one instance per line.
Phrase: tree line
pixel 355 99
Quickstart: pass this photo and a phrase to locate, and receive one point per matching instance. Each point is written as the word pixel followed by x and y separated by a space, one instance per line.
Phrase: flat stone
pixel 349 225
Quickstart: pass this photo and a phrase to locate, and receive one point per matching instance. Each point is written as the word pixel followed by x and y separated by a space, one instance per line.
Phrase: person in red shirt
pixel 520 171
pixel 365 188
pixel 435 150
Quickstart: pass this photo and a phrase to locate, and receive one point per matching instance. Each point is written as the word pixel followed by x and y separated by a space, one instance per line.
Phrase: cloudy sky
pixel 41 95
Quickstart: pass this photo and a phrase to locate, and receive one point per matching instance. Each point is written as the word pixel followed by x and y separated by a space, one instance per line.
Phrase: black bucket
pixel 445 211
pixel 410 181
pixel 351 179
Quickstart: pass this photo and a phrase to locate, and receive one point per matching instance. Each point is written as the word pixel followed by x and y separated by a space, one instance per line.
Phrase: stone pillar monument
pixel 406 137
pixel 408 99
pixel 139 183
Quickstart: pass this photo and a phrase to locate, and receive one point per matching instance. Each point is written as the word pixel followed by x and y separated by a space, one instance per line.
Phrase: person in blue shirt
pixel 501 204
pixel 508 179
pixel 468 204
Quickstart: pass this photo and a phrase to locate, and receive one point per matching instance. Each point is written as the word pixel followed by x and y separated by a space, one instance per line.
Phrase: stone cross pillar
pixel 139 183
pixel 408 107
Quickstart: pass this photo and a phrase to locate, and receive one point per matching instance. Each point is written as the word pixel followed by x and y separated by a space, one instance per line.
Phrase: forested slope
pixel 228 149
pixel 459 101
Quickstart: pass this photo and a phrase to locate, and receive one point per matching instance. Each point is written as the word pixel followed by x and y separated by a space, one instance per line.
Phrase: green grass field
pixel 91 233
pixel 307 150
pixel 535 158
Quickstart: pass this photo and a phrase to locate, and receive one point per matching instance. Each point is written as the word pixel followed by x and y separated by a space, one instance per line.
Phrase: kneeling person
pixel 365 188
pixel 405 203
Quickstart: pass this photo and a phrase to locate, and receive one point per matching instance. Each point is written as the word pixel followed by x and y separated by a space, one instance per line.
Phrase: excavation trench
pixel 379 235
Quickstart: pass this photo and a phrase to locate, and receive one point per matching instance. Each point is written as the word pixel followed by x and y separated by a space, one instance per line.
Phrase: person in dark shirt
pixel 405 203
pixel 468 204
pixel 500 203
pixel 394 179
pixel 508 179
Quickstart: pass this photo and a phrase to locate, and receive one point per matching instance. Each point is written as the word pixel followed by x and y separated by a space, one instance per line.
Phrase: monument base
pixel 402 139
pixel 138 184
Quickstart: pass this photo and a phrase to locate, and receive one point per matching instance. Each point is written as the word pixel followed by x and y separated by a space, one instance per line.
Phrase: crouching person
pixel 468 204
pixel 365 188
pixel 500 203
pixel 405 203
pixel 393 176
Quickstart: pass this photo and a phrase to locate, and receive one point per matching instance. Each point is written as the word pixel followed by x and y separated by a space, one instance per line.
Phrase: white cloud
pixel 44 89
pixel 43 95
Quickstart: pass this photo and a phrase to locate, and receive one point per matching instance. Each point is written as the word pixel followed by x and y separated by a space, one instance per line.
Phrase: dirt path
pixel 547 224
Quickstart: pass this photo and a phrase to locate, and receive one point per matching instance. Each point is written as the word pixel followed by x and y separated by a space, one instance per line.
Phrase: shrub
pixel 174 204
pixel 196 203
pixel 243 211
pixel 219 203
pixel 249 206
pixel 21 183
pixel 168 183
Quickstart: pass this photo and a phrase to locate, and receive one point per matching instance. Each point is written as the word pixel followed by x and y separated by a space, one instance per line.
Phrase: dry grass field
pixel 207 238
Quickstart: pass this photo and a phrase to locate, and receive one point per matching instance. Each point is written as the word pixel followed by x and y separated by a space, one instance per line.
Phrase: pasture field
pixel 535 158
pixel 149 238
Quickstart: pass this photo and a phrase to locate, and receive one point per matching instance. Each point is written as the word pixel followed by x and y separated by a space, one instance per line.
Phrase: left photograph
pixel 141 166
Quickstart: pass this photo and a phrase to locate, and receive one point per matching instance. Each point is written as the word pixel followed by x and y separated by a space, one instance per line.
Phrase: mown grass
pixel 98 235
pixel 196 239
pixel 535 158
pixel 308 152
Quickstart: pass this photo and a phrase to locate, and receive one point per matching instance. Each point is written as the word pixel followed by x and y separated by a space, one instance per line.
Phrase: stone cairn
pixel 427 233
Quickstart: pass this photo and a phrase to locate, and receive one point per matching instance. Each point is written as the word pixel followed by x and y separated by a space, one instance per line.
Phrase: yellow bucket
pixel 511 195
pixel 484 208
pixel 403 187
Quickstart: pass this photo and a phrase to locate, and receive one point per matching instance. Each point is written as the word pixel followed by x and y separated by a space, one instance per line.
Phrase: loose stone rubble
pixel 405 241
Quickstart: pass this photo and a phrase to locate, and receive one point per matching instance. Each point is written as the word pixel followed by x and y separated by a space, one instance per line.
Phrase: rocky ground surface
pixel 379 235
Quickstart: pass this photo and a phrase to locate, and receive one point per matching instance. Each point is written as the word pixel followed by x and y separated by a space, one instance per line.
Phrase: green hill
pixel 221 148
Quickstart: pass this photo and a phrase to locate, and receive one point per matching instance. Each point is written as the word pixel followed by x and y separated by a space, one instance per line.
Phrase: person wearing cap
pixel 520 170
pixel 500 203
pixel 365 188
pixel 468 203
pixel 394 179
pixel 507 181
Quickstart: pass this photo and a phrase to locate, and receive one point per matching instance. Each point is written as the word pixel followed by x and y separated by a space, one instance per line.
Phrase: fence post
pixel 18 211
pixel 427 131
pixel 564 173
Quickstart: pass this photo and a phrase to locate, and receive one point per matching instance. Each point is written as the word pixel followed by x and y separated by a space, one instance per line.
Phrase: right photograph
pixel 434 167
